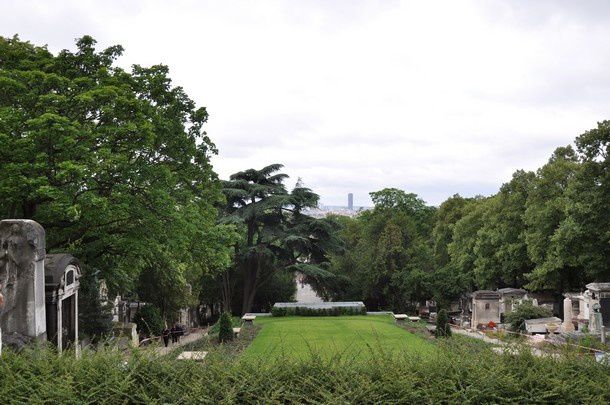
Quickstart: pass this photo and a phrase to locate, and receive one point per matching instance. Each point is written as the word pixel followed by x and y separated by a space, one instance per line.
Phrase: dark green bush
pixel 278 311
pixel 306 311
pixel 149 320
pixel 443 329
pixel 526 310
pixel 225 328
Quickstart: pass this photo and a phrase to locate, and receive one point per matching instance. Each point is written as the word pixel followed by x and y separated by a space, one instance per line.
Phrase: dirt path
pixel 184 340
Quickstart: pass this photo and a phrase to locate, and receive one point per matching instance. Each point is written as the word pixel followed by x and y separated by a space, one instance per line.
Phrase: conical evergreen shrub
pixel 443 329
pixel 225 328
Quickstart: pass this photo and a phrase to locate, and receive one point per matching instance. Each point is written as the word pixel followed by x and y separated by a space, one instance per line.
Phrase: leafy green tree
pixel 583 238
pixel 448 213
pixel 547 204
pixel 114 164
pixel 387 261
pixel 501 251
pixel 464 241
pixel 448 282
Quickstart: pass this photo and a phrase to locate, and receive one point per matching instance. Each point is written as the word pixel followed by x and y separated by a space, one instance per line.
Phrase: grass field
pixel 346 337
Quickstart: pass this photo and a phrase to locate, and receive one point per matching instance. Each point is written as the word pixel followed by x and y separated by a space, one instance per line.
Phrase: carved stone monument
pixel 22 254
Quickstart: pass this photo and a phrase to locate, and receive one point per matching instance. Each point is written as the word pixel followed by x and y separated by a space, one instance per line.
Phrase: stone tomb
pixel 579 308
pixel 485 308
pixel 62 274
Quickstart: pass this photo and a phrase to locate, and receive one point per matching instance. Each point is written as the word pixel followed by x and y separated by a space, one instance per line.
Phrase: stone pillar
pixel 60 331
pixel 22 254
pixel 567 325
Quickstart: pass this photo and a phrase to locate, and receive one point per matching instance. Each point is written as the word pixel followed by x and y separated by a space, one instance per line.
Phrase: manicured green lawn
pixel 336 336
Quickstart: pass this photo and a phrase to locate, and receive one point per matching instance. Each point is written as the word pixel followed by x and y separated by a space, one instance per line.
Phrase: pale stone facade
pixel 485 308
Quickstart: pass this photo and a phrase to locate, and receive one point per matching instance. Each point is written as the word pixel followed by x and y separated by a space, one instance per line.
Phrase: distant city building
pixel 350 201
pixel 323 210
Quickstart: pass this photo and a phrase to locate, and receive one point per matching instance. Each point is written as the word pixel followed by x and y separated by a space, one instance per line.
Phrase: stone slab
pixel 196 356
pixel 236 331
pixel 414 318
pixel 248 318
pixel 400 317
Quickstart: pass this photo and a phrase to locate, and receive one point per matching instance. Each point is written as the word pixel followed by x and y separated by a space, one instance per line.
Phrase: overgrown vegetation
pixel 524 311
pixel 455 373
pixel 115 165
pixel 149 320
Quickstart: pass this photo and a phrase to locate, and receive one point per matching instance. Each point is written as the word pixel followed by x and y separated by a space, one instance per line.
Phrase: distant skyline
pixel 436 97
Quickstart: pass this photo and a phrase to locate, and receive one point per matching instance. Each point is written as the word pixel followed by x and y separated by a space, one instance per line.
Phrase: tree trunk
pixel 227 292
pixel 251 284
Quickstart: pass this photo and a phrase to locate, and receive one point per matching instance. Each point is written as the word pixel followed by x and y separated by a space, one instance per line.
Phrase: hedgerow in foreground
pixel 457 372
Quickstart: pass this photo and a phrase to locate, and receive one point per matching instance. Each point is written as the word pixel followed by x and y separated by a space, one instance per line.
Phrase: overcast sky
pixel 436 98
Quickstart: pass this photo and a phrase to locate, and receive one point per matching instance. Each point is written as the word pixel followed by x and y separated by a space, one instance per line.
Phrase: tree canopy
pixel 114 164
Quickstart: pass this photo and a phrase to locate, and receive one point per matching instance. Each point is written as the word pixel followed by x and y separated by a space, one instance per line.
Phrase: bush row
pixel 305 311
pixel 455 373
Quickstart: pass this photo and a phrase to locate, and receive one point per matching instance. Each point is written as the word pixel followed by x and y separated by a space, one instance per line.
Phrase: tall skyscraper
pixel 350 201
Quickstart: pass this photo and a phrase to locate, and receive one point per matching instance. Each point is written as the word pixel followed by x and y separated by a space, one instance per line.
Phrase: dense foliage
pixel 307 311
pixel 149 320
pixel 524 311
pixel 455 374
pixel 387 260
pixel 276 235
pixel 114 164
pixel 544 231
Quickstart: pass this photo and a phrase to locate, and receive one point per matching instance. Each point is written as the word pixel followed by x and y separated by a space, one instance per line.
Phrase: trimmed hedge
pixel 305 311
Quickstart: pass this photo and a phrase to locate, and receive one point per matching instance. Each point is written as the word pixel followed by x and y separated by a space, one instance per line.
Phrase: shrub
pixel 443 329
pixel 278 311
pixel 307 311
pixel 524 311
pixel 149 320
pixel 463 371
pixel 225 328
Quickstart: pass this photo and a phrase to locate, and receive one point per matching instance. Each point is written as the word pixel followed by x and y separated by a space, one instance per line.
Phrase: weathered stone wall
pixel 22 254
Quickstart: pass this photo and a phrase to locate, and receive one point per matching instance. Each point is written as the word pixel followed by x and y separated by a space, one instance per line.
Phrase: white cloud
pixel 354 96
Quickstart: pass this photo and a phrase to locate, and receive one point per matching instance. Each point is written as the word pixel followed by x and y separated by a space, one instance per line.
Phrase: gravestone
pixel 22 254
